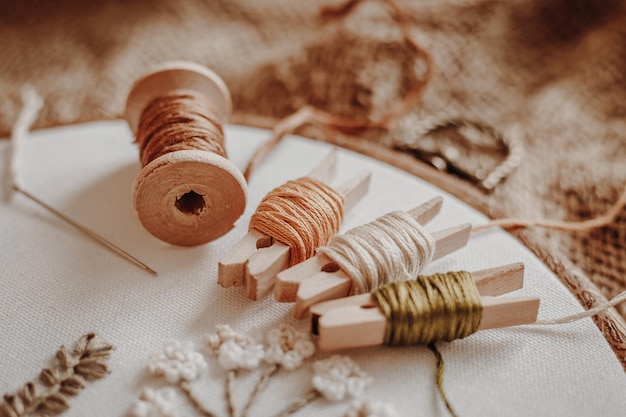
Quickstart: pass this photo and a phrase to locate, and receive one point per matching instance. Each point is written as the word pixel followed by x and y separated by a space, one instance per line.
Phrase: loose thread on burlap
pixel 303 214
pixel 393 247
pixel 602 220
pixel 600 308
pixel 605 219
pixel 32 104
pixel 176 122
pixel 64 380
pixel 343 125
pixel 444 160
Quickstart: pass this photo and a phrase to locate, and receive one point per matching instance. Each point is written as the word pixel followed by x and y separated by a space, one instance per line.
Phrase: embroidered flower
pixel 224 333
pixel 339 377
pixel 288 347
pixel 234 356
pixel 235 350
pixel 155 403
pixel 371 409
pixel 178 362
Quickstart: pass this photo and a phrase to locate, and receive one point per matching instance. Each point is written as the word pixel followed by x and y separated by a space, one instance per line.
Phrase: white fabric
pixel 58 285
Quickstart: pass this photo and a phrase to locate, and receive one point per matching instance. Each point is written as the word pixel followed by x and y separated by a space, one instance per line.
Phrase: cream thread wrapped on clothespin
pixel 393 247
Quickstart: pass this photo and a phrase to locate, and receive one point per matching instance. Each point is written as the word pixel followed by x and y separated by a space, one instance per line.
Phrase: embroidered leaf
pixel 97 347
pixel 100 354
pixel 56 403
pixel 72 385
pixel 64 358
pixel 49 377
pixel 92 370
pixel 6 410
pixel 14 405
pixel 28 393
pixel 81 345
pixel 66 379
pixel 90 361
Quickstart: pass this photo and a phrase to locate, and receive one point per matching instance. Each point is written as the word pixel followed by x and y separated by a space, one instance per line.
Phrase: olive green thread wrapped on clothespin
pixel 466 300
pixel 446 306
pixel 429 309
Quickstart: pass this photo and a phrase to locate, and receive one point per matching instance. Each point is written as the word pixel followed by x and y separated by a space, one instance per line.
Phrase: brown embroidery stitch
pixel 299 404
pixel 66 379
pixel 230 402
pixel 186 388
pixel 259 387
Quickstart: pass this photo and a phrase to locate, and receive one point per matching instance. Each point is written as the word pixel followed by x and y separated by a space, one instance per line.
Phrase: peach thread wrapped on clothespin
pixel 290 223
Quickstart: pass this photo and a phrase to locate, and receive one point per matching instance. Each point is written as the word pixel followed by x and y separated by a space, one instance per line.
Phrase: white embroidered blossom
pixel 339 377
pixel 178 362
pixel 234 356
pixel 155 403
pixel 371 409
pixel 235 350
pixel 288 347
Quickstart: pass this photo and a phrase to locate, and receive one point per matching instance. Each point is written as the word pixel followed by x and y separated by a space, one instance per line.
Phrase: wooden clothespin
pixel 256 259
pixel 356 321
pixel 319 278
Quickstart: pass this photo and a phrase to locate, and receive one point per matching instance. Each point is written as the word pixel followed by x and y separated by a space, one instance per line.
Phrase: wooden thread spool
pixel 186 197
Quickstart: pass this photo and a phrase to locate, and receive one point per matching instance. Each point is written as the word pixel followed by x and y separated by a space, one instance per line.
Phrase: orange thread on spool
pixel 178 122
pixel 303 214
pixel 187 192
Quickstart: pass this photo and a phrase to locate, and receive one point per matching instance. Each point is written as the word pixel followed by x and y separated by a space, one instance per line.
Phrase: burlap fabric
pixel 552 71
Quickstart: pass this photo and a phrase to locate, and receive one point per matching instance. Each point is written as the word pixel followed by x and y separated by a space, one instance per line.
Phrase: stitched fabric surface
pixel 553 69
pixel 58 284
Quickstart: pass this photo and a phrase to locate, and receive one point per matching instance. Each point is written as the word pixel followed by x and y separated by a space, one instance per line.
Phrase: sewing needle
pixel 86 231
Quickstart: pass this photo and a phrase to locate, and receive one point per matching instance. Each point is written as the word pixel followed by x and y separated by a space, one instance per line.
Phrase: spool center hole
pixel 190 203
